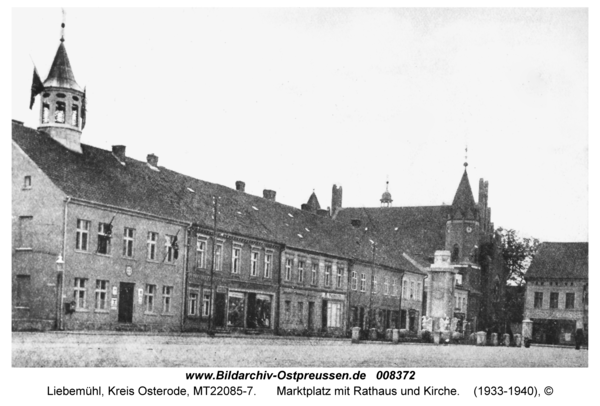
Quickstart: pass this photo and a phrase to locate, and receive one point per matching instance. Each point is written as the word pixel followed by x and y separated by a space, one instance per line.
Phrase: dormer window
pixel 74 115
pixel 59 114
pixel 27 182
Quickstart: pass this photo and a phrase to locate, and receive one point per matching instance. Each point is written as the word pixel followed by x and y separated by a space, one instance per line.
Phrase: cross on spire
pixel 62 25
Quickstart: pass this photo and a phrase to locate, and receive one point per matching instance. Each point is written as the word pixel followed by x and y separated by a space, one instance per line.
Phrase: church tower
pixel 62 107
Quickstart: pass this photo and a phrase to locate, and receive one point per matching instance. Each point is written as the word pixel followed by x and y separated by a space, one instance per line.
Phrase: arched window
pixel 75 115
pixel 45 113
pixel 59 113
pixel 455 253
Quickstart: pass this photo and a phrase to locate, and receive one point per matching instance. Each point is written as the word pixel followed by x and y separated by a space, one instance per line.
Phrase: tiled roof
pixel 417 231
pixel 97 175
pixel 61 74
pixel 560 260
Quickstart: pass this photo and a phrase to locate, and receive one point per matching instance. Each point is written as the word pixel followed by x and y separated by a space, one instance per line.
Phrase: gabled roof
pixel 557 260
pixel 417 231
pixel 61 74
pixel 97 175
pixel 463 199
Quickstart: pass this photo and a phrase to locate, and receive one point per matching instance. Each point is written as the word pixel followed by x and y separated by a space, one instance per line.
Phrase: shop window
pixel 167 292
pixel 104 238
pixel 538 299
pixel 82 235
pixel 258 311
pixel 149 298
pixel 151 244
pixel 236 310
pixel 59 112
pixel 128 234
pixel 23 290
pixel 554 300
pixel 334 314
pixel 79 293
pixel 101 295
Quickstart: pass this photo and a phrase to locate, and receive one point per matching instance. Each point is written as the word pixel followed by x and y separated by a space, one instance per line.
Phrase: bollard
pixel 373 334
pixel 506 340
pixel 480 337
pixel 518 340
pixel 395 336
pixel 388 334
pixel 494 339
pixel 355 335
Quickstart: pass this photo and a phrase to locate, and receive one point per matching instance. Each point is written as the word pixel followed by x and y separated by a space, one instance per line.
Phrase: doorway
pixel 311 315
pixel 126 302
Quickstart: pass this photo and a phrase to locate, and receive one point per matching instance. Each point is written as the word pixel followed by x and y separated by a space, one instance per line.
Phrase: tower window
pixel 75 98
pixel 75 115
pixel 59 114
pixel 45 113
pixel 61 95
pixel 455 253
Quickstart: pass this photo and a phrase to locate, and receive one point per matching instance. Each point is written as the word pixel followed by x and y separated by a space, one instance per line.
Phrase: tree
pixel 517 254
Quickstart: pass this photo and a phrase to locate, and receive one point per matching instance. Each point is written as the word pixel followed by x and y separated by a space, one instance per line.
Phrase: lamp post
pixel 60 269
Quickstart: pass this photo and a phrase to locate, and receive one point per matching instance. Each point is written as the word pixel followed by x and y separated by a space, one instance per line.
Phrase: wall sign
pixel 114 291
pixel 128 270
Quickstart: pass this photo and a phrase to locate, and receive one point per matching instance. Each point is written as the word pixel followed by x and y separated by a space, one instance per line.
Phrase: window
pixel 538 299
pixel 101 295
pixel 170 244
pixel 151 244
pixel 128 242
pixel 45 113
pixel 25 232
pixel 254 263
pixel 218 257
pixel 327 274
pixel 404 288
pixel 354 282
pixel 458 280
pixel 201 253
pixel 82 237
pixel 374 284
pixel 288 268
pixel 412 289
pixel 23 290
pixel 149 298
pixel 314 277
pixel 363 282
pixel 301 271
pixel 104 237
pixel 455 253
pixel 340 277
pixel 386 286
pixel 418 292
pixel 288 308
pixel 334 314
pixel 235 259
pixel 268 262
pixel 27 182
pixel 79 293
pixel 59 113
pixel 166 298
pixel 554 300
pixel 394 288
pixel 301 312
pixel 570 300
pixel 206 304
pixel 75 115
pixel 193 303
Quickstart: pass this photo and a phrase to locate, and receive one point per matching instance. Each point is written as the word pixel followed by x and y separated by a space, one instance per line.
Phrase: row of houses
pixel 104 241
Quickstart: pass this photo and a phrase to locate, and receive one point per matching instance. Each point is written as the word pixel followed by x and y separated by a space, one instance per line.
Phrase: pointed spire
pixel 61 74
pixel 463 199
pixel 313 202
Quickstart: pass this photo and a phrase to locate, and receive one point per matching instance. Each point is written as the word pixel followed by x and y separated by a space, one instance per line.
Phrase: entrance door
pixel 220 301
pixel 324 315
pixel 311 315
pixel 126 302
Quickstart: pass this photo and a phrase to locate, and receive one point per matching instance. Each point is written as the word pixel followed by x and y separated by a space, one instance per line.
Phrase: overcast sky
pixel 301 99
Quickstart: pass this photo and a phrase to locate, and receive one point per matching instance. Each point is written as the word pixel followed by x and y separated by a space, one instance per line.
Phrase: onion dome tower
pixel 386 197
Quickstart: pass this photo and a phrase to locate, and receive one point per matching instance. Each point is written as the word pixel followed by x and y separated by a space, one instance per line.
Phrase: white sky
pixel 299 99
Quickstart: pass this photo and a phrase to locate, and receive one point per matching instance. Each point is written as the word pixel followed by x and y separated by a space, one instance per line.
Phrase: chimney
pixel 240 186
pixel 336 199
pixel 152 160
pixel 355 223
pixel 269 194
pixel 119 152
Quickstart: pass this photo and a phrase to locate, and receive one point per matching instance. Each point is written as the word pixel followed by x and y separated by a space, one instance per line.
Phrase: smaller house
pixel 556 300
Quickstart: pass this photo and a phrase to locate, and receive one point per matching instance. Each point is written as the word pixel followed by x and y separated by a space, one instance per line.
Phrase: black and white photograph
pixel 267 193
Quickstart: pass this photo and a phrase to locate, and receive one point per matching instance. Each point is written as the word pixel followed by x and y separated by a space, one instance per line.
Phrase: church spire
pixel 386 197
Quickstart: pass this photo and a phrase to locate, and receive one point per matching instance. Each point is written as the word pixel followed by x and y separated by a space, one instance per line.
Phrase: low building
pixel 556 298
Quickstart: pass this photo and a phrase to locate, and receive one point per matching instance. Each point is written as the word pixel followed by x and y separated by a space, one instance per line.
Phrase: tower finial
pixel 466 158
pixel 62 26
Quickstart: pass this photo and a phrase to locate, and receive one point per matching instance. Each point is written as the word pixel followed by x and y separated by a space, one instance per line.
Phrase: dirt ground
pixel 186 350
